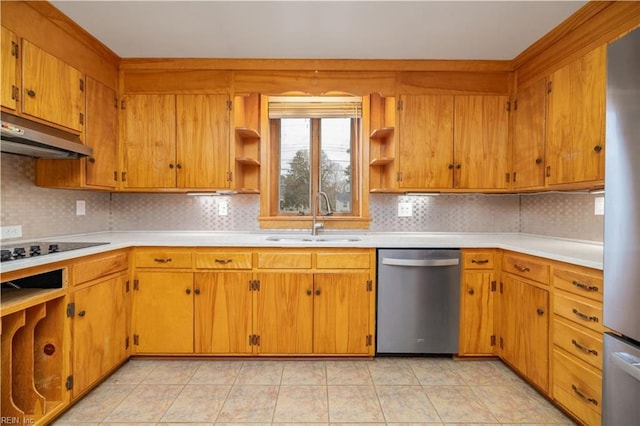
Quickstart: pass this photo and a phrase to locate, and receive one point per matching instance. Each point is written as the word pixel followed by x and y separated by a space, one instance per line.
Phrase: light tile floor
pixel 417 391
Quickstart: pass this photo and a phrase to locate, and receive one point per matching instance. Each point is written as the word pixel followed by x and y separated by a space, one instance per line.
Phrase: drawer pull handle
pixel 584 286
pixel 224 261
pixel 540 311
pixel 480 261
pixel 162 259
pixel 585 316
pixel 583 396
pixel 521 268
pixel 583 348
pixel 82 313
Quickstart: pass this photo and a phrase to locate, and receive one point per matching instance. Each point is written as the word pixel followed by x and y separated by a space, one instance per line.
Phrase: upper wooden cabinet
pixel 175 141
pixel 425 154
pixel 576 122
pixel 481 142
pixel 529 136
pixel 9 91
pixel 52 90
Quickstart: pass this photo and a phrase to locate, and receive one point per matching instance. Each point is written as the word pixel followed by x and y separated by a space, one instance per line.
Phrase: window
pixel 314 145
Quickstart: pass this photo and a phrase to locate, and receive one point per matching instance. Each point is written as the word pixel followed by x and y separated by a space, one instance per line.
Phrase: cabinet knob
pixel 317 292
pixel 597 148
pixel 82 313
pixel 188 291
pixel 309 292
pixel 458 166
pixel 540 311
pixel 178 166
pixel 471 292
pixel 196 291
pixel 92 160
pixel 31 93
pixel 171 166
pixel 450 166
pixel 538 160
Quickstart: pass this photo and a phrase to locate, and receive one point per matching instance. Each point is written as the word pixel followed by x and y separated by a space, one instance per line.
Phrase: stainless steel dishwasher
pixel 418 301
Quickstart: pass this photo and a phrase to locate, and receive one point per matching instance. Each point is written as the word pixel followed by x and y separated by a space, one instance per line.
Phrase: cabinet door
pixel 149 145
pixel 525 329
pixel 222 304
pixel 285 313
pixel 203 141
pixel 341 312
pixel 102 134
pixel 53 90
pixel 163 313
pixel 575 128
pixel 529 136
pixel 9 91
pixel 477 332
pixel 481 142
pixel 426 142
pixel 99 331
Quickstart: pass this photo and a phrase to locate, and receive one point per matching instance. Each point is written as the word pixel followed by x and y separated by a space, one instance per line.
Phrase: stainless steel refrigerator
pixel 621 370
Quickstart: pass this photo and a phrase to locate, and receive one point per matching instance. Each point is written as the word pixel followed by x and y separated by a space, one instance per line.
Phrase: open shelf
pixel 382 133
pixel 246 133
pixel 378 162
pixel 246 121
pixel 382 144
pixel 248 161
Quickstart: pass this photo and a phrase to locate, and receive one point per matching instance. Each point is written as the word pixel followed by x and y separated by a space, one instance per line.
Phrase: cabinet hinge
pixel 501 287
pixel 71 310
pixel 123 104
pixel 115 176
pixel 15 50
pixel 254 285
pixel 514 177
pixel 501 343
pixel 124 177
pixel 81 85
pixel 493 340
pixel 115 103
pixel 229 105
pixel 399 177
pixel 136 340
pixel 548 172
pixel 81 118
pixel 136 284
pixel 549 87
pixel 126 343
pixel 507 177
pixel 68 384
pixel 400 105
pixel 369 340
pixel 369 285
pixel 515 105
pixel 229 176
pixel 507 106
pixel 254 340
pixel 15 93
pixel 493 286
pixel 126 286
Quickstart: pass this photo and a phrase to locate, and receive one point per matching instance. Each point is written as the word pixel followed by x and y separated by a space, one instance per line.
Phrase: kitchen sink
pixel 312 238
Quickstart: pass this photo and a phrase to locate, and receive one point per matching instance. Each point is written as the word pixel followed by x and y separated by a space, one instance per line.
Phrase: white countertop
pixel 577 252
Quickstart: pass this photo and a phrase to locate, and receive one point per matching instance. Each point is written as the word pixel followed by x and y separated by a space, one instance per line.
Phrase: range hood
pixel 25 137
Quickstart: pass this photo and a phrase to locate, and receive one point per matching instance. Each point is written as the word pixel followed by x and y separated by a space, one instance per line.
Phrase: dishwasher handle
pixel 420 262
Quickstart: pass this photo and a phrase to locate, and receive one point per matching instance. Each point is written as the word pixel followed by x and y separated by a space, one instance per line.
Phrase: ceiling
pixel 319 29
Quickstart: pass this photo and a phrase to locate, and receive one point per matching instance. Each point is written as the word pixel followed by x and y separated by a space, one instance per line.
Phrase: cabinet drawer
pixel 223 260
pixel 579 310
pixel 343 260
pixel 284 260
pixel 163 259
pixel 578 341
pixel 477 260
pixel 579 283
pixel 577 387
pixel 526 267
pixel 98 267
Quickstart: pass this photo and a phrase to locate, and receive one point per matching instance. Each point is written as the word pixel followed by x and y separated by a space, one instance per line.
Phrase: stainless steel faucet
pixel 314 210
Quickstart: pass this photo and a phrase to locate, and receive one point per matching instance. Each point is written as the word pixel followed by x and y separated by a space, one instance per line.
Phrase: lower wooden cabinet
pixel 100 331
pixel 524 323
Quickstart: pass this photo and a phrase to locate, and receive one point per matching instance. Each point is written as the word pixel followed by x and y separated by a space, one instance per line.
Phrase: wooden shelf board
pixel 381 133
pixel 248 161
pixel 385 190
pixel 248 191
pixel 245 132
pixel 381 161
pixel 16 300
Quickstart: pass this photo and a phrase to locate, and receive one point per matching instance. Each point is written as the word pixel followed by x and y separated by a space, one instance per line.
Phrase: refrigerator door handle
pixel 627 363
pixel 419 262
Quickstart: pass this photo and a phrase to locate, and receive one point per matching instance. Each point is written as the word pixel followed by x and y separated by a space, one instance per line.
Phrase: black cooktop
pixel 33 249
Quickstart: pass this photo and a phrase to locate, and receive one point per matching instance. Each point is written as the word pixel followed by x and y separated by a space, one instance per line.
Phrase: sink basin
pixel 312 238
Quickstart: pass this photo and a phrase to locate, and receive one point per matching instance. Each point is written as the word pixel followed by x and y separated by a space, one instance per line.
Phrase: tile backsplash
pixel 49 212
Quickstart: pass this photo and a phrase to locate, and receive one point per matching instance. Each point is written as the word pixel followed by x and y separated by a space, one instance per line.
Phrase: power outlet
pixel 405 209
pixel 11 232
pixel 81 207
pixel 223 208
pixel 598 206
